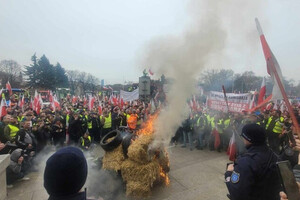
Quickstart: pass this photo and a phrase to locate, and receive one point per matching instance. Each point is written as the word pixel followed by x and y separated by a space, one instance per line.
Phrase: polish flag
pixel 115 101
pixel 216 134
pixel 21 102
pixel 91 102
pixel 262 92
pixel 231 151
pixel 55 104
pixel 85 101
pixel 51 97
pixel 8 87
pixel 272 64
pixel 121 104
pixel 3 108
pixel 36 99
pixel 151 72
pixel 252 102
pixel 100 110
pixel 74 99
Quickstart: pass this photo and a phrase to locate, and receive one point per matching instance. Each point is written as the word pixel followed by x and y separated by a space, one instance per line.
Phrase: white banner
pixel 129 96
pixel 236 102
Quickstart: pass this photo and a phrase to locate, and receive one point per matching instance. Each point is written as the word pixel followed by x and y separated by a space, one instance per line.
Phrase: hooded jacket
pixel 14 166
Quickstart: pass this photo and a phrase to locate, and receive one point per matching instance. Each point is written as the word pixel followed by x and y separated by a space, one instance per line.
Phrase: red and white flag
pixel 55 104
pixel 36 100
pixel 252 102
pixel 273 67
pixel 91 102
pixel 151 72
pixel 3 108
pixel 121 104
pixel 21 102
pixel 74 99
pixel 100 110
pixel 262 92
pixel 85 101
pixel 231 151
pixel 8 87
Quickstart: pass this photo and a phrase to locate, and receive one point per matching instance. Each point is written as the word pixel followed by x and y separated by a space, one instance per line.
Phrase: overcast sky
pixel 105 37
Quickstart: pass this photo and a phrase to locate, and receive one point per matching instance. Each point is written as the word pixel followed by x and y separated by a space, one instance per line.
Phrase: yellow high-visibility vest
pixel 82 140
pixel 13 131
pixel 107 123
pixel 278 126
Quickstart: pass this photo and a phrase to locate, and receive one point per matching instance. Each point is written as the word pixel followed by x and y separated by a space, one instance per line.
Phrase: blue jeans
pixel 187 136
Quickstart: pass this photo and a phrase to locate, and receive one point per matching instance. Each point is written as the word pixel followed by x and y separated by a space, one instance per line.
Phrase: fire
pixel 164 176
pixel 148 129
pixel 148 126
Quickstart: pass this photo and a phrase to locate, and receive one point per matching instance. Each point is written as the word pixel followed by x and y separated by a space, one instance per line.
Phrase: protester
pixel 85 141
pixel 65 175
pixel 14 170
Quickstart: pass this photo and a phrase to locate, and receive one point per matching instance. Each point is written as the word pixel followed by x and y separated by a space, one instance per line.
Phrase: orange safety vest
pixel 132 121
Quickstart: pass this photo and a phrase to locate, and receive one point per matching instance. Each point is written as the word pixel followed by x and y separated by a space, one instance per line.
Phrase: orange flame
pixel 164 176
pixel 148 129
pixel 148 125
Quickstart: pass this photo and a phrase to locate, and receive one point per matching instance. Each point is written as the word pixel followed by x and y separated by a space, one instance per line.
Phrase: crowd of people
pixel 202 128
pixel 24 133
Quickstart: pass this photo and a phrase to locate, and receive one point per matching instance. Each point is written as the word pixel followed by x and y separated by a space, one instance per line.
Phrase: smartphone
pixel 228 164
pixel 288 180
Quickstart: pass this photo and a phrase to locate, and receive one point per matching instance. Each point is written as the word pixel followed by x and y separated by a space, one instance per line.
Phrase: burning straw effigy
pixel 142 167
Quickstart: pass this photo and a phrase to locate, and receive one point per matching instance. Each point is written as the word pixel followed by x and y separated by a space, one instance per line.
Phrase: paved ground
pixel 194 175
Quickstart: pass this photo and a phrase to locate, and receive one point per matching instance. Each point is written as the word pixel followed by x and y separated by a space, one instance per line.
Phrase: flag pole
pixel 285 98
pixel 280 85
pixel 225 97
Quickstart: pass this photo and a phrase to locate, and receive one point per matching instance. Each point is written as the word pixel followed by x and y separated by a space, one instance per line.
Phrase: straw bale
pixel 112 160
pixel 164 162
pixel 137 189
pixel 138 150
pixel 133 171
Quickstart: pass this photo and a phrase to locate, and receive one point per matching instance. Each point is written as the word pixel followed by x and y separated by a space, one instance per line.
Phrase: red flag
pixel 262 92
pixel 8 87
pixel 22 102
pixel 115 100
pixel 231 151
pixel 91 102
pixel 273 69
pixel 272 65
pixel 3 108
pixel 85 101
pixel 50 96
pixel 217 138
pixel 150 72
pixel 100 110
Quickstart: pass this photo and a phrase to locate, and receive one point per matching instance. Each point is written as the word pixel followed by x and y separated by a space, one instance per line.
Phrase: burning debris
pixel 141 166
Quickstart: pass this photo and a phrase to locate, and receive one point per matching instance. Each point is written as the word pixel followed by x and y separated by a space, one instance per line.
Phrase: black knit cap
pixel 65 172
pixel 254 134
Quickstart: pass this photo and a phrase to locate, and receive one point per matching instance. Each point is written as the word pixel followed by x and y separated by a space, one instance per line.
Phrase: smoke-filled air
pixel 182 57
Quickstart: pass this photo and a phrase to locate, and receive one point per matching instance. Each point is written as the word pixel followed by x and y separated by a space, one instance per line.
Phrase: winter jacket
pixel 14 166
pixel 24 138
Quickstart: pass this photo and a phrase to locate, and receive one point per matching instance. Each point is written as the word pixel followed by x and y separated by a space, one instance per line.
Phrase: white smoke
pixel 182 57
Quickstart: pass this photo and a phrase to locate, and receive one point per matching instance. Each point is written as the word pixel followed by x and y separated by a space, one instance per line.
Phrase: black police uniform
pixel 254 175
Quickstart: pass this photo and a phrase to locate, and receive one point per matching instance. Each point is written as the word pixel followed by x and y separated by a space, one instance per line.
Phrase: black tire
pixel 127 142
pixel 109 146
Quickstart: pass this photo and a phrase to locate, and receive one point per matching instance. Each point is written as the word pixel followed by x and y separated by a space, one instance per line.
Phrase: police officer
pixel 254 175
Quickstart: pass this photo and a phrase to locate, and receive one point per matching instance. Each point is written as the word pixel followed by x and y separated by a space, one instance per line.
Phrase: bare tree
pixel 11 71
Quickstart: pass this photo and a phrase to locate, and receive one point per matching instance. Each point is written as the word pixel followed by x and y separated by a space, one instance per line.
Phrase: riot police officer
pixel 254 175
